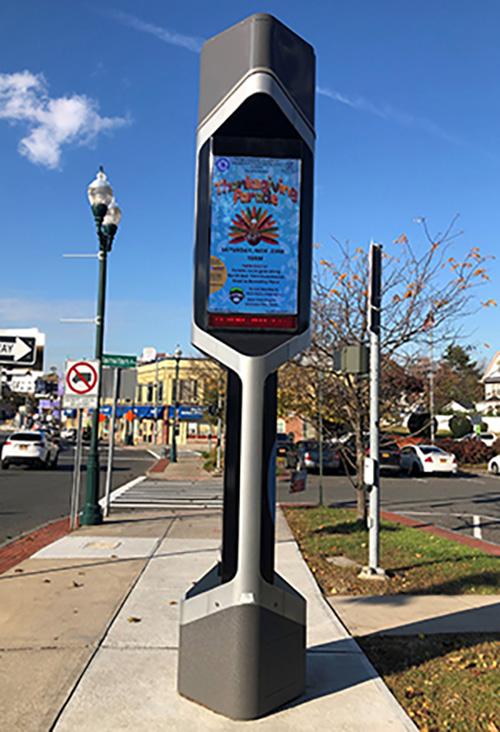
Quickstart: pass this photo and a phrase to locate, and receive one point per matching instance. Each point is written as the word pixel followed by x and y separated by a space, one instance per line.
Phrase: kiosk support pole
pixel 252 420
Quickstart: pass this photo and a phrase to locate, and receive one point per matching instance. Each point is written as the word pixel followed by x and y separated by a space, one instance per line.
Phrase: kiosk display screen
pixel 254 242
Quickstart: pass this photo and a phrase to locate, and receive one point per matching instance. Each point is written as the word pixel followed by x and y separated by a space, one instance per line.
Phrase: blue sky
pixel 407 123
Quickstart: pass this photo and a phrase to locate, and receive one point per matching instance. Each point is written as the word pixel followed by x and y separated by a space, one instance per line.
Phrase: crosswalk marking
pixel 170 494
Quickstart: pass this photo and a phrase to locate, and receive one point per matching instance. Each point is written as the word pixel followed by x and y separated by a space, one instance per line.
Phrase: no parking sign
pixel 81 384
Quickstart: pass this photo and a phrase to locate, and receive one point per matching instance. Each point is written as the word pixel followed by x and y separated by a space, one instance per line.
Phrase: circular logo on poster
pixel 222 165
pixel 236 295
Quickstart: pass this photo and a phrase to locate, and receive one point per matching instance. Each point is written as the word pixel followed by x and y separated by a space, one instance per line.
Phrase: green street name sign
pixel 116 361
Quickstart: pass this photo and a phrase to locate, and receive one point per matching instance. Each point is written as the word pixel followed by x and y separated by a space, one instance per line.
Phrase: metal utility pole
pixel 107 217
pixel 372 478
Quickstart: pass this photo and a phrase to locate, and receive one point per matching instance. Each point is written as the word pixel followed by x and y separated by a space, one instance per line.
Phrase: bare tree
pixel 425 288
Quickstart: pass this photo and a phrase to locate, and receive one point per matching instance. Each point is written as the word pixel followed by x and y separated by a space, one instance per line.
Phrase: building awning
pixel 185 412
pixel 142 412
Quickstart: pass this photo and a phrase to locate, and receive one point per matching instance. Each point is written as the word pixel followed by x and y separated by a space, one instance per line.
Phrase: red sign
pixel 81 378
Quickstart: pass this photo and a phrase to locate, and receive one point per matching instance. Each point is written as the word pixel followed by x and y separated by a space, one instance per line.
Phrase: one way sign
pixel 17 350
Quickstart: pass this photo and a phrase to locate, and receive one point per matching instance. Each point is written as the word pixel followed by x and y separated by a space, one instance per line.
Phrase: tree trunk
pixel 361 513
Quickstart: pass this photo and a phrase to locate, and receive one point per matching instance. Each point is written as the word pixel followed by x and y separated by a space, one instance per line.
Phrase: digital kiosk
pixel 242 627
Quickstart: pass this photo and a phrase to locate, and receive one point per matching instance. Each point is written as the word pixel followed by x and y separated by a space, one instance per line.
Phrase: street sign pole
pixel 75 492
pixel 111 448
pixel 255 152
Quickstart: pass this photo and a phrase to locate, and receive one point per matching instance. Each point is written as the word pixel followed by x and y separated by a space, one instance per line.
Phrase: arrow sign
pixel 17 350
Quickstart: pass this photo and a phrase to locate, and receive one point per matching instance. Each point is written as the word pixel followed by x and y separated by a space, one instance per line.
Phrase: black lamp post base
pixel 91 515
pixel 92 512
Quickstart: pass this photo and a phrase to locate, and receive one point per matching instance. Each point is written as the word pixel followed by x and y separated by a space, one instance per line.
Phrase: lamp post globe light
pixel 173 444
pixel 107 217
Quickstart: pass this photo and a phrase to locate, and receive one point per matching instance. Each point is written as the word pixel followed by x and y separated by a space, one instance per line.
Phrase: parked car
pixel 283 443
pixel 419 459
pixel 285 448
pixel 389 453
pixel 488 438
pixel 494 465
pixel 390 456
pixel 33 448
pixel 307 455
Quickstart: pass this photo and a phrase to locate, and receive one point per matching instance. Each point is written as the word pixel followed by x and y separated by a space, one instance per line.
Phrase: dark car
pixel 307 454
pixel 390 454
pixel 285 447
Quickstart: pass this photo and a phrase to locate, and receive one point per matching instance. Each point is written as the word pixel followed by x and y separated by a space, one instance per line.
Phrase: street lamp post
pixel 173 443
pixel 107 216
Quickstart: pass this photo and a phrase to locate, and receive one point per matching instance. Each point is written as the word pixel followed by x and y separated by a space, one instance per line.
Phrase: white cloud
pixel 191 43
pixel 52 122
pixel 390 114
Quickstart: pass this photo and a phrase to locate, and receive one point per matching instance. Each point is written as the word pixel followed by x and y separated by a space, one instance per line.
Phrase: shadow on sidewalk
pixel 401 647
pixel 396 654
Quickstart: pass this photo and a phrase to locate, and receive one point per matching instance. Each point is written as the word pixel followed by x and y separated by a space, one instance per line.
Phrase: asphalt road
pixel 30 498
pixel 449 502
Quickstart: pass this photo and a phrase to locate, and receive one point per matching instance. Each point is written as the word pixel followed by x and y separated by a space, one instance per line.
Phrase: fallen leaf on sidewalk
pixel 133 619
pixel 173 602
pixel 46 579
pixel 19 570
pixel 77 584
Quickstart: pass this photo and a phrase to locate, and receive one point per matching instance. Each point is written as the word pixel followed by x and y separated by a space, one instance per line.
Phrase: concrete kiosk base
pixel 242 659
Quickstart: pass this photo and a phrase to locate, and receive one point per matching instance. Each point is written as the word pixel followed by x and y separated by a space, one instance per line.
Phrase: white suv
pixel 487 438
pixel 33 448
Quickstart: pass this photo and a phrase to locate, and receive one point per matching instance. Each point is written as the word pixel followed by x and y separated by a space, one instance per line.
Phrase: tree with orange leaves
pixel 427 288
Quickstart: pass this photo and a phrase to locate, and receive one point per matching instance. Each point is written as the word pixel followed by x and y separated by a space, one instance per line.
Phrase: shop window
pixel 188 390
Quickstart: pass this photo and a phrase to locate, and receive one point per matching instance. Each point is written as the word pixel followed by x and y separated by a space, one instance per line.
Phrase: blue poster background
pixel 254 242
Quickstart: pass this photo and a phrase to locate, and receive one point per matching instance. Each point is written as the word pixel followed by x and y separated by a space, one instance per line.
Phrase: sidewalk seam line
pixel 108 627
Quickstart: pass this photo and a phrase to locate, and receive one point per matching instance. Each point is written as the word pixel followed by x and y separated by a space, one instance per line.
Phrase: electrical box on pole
pixel 252 293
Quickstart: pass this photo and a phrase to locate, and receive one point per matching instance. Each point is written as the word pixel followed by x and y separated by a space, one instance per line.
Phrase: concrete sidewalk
pixel 89 635
pixel 189 468
pixel 414 614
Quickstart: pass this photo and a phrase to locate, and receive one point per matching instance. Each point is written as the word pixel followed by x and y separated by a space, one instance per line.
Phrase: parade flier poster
pixel 254 241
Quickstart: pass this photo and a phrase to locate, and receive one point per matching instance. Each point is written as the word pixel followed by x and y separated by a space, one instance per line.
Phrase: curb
pixel 484 546
pixel 24 547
